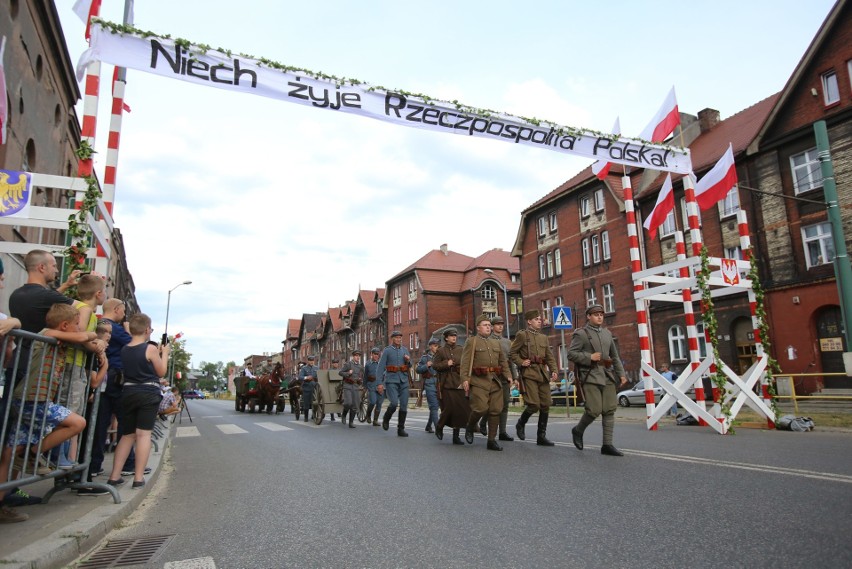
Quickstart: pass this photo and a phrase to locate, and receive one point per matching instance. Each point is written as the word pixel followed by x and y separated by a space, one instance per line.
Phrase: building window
pixel 541 273
pixel 607 255
pixel 585 206
pixel 414 341
pixel 553 223
pixel 517 306
pixel 596 249
pixel 830 88
pixel 488 292
pixel 542 226
pixel 599 200
pixel 586 255
pixel 549 265
pixel 702 340
pixel 515 278
pixel 806 171
pixel 591 297
pixel 545 312
pixel 412 311
pixel 557 261
pixel 668 226
pixel 397 316
pixel 684 208
pixel 677 343
pixel 731 204
pixel 559 301
pixel 608 298
pixel 819 247
pixel 734 253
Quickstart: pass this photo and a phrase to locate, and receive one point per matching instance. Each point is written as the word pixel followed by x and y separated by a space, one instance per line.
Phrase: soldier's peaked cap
pixel 450 332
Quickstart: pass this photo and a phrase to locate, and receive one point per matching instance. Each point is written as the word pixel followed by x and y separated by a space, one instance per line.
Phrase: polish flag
pixel 665 203
pixel 4 111
pixel 86 10
pixel 716 183
pixel 178 335
pixel 664 122
pixel 601 167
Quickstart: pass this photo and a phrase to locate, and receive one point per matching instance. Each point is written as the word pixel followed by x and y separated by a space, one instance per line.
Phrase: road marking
pixel 816 475
pixel 187 432
pixel 230 429
pixel 197 563
pixel 274 427
pixel 310 424
pixel 211 416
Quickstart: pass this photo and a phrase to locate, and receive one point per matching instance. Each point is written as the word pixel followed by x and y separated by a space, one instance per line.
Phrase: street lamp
pixel 169 302
pixel 505 298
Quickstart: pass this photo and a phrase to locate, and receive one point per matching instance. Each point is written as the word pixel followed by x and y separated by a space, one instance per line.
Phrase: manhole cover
pixel 124 552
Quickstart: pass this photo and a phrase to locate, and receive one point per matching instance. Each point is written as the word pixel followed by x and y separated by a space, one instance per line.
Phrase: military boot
pixel 400 427
pixel 483 426
pixel 456 438
pixel 522 422
pixel 386 419
pixel 376 411
pixel 541 439
pixel 369 412
pixel 351 418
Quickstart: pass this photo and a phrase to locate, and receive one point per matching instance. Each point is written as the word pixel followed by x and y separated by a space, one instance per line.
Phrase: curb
pixel 73 541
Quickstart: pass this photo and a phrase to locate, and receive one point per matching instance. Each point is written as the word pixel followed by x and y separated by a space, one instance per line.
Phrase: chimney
pixel 444 249
pixel 708 118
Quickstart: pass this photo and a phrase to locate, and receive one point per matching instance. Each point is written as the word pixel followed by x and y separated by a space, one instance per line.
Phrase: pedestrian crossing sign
pixel 562 318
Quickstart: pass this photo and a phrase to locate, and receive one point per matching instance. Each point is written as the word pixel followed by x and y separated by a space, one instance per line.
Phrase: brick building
pixel 798 253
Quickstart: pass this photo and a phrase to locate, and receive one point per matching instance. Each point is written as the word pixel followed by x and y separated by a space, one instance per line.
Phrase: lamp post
pixel 169 302
pixel 505 298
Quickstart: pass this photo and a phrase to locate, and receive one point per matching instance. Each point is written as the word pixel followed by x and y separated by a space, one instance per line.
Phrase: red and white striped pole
pixel 692 216
pixel 688 312
pixel 641 313
pixel 111 168
pixel 745 245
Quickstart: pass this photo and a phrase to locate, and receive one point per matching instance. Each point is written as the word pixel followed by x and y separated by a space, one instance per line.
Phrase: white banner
pixel 111 43
pixel 15 193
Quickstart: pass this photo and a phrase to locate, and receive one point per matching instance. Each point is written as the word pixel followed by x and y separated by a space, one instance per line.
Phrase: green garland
pixel 711 326
pixel 772 366
pixel 79 232
pixel 201 48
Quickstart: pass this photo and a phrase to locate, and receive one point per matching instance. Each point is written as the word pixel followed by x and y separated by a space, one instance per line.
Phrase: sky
pixel 273 210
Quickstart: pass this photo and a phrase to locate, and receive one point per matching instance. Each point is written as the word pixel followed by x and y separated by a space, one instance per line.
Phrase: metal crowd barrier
pixel 13 425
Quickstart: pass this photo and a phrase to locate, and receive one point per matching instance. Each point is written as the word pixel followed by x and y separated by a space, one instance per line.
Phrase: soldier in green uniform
pixel 507 378
pixel 531 352
pixel 452 391
pixel 482 364
pixel 594 351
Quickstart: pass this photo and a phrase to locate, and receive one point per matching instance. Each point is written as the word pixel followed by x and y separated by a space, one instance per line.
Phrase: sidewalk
pixel 70 525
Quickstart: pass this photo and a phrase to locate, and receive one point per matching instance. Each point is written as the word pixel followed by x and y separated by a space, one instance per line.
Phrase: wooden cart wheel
pixel 319 406
pixel 362 408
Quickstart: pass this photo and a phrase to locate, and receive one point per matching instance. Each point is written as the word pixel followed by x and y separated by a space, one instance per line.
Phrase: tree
pixel 214 376
pixel 179 362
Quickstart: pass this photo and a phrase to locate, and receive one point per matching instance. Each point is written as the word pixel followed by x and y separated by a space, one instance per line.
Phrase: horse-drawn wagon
pixel 328 396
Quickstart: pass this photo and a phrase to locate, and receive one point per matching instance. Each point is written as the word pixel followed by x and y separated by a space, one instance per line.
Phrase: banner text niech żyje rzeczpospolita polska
pixel 116 45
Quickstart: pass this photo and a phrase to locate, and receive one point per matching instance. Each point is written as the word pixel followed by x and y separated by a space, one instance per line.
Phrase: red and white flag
pixel 664 122
pixel 716 183
pixel 178 335
pixel 665 203
pixel 4 111
pixel 601 167
pixel 86 10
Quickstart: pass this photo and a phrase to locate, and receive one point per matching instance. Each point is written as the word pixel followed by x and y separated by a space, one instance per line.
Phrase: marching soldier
pixel 532 354
pixel 393 376
pixel 308 377
pixel 375 398
pixel 352 373
pixel 455 407
pixel 430 382
pixel 507 378
pixel 594 351
pixel 482 364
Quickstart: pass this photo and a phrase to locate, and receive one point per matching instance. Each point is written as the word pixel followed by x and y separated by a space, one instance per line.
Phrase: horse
pixel 268 387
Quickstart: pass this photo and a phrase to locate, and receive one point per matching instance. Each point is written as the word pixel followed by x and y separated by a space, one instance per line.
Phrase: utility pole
pixel 842 268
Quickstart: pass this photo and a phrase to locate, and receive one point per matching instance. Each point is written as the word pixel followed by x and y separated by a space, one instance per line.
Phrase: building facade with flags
pixel 773 147
pixel 43 132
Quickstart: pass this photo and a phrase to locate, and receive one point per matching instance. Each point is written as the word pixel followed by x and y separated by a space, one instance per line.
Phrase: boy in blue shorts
pixel 34 401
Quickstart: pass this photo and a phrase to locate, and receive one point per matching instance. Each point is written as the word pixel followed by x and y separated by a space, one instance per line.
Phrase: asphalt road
pixel 237 490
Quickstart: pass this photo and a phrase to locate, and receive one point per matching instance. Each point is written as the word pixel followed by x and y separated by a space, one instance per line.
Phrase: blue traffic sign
pixel 562 318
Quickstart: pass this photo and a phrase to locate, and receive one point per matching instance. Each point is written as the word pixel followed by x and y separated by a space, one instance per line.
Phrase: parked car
pixel 193 394
pixel 636 395
pixel 557 394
